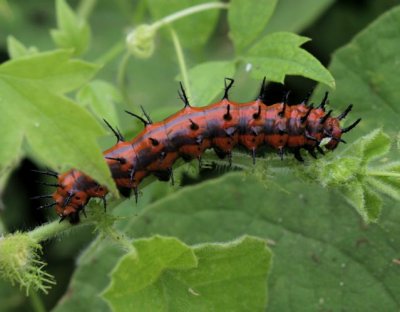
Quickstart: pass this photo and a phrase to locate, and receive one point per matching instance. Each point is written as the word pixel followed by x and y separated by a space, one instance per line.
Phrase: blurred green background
pixel 152 83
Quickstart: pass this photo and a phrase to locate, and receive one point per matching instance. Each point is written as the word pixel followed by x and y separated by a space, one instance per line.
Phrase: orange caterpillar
pixel 192 130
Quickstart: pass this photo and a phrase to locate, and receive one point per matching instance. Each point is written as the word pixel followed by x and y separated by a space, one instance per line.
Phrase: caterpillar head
pixel 73 193
pixel 69 204
pixel 333 131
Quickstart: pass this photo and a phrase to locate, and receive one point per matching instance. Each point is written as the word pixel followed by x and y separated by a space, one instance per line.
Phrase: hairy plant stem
pixel 54 228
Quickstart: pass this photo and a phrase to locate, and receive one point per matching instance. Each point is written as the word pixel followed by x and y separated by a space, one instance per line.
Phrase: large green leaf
pixel 163 274
pixel 279 54
pixel 320 248
pixel 324 257
pixel 54 127
pixel 366 75
pixel 247 19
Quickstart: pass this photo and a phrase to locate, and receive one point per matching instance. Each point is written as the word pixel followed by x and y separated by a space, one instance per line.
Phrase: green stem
pixel 383 174
pixel 52 229
pixel 186 12
pixel 36 301
pixel 181 61
pixel 122 79
pixel 112 53
pixel 85 8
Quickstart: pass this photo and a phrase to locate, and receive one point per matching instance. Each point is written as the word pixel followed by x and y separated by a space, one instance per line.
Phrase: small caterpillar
pixel 192 130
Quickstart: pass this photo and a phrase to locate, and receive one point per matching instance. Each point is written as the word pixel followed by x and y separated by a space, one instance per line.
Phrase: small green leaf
pixel 367 203
pixel 279 54
pixel 339 171
pixel 204 89
pixel 387 185
pixel 354 194
pixel 386 179
pixel 247 19
pixel 17 49
pixel 370 146
pixel 101 97
pixel 376 144
pixel 373 204
pixel 73 32
pixel 351 171
pixel 165 274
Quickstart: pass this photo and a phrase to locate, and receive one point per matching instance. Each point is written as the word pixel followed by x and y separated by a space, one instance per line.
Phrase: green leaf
pixel 11 141
pixel 387 185
pixel 204 89
pixel 296 16
pixel 366 76
pixel 54 127
pixel 386 179
pixel 339 171
pixel 279 54
pixel 73 32
pixel 373 204
pixel 100 97
pixel 354 193
pixel 351 170
pixel 369 147
pixel 17 49
pixel 247 19
pixel 165 274
pixel 390 175
pixel 190 36
pixel 54 70
pixel 376 144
